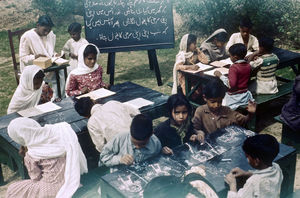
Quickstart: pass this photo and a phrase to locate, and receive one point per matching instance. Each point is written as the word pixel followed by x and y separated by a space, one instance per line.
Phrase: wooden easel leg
pixel 153 61
pixel 111 66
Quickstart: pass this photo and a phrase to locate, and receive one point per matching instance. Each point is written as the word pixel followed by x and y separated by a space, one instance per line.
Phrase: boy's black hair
pixel 264 147
pixel 83 106
pixel 39 75
pixel 45 20
pixel 246 22
pixel 214 89
pixel 178 100
pixel 238 50
pixel 141 127
pixel 90 49
pixel 267 43
pixel 191 39
pixel 222 37
pixel 74 27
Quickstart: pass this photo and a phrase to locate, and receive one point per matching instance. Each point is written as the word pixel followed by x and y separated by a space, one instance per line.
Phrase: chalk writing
pixel 122 23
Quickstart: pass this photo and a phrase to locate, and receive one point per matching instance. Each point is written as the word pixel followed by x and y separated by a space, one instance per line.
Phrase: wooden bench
pixel 288 135
pixel 261 99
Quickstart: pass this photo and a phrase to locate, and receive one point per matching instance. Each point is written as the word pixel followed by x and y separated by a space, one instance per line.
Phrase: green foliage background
pixel 279 19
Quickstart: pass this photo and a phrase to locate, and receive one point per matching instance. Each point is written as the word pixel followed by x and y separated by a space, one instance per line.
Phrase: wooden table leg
pixel 58 83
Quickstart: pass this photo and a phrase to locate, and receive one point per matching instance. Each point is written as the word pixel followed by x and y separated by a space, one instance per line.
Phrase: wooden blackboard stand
pixel 152 62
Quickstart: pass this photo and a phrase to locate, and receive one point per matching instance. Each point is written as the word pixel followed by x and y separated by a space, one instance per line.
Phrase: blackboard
pixel 129 25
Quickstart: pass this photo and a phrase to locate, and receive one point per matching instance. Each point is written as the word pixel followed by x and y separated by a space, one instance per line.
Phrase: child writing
pixel 134 147
pixel 186 59
pixel 214 46
pixel 105 120
pixel 265 181
pixel 265 66
pixel 244 36
pixel 238 77
pixel 178 129
pixel 88 75
pixel 212 116
pixel 29 91
pixel 72 46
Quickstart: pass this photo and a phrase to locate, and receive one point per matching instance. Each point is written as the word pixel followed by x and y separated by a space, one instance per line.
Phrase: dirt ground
pixel 17 13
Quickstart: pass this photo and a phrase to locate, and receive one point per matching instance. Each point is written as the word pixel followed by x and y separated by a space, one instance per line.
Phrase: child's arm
pixel 251 108
pixel 181 66
pixel 202 57
pixel 109 155
pixel 72 87
pixel 199 136
pixel 166 150
pixel 198 126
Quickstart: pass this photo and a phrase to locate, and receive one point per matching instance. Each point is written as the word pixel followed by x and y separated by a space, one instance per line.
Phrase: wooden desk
pixel 227 142
pixel 124 92
pixel 286 58
pixel 56 69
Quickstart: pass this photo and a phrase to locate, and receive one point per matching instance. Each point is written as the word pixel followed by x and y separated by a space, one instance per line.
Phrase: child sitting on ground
pixel 72 46
pixel 238 77
pixel 214 46
pixel 266 180
pixel 265 66
pixel 244 36
pixel 178 129
pixel 105 121
pixel 134 147
pixel 31 91
pixel 186 59
pixel 212 116
pixel 88 75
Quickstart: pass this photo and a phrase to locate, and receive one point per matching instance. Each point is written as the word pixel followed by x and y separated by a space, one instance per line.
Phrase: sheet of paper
pixel 202 67
pixel 39 109
pixel 219 64
pixel 99 93
pixel 223 70
pixel 139 102
pixel 227 61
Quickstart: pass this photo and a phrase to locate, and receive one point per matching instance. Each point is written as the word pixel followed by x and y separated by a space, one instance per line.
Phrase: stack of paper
pixel 139 102
pixel 39 109
pixel 99 93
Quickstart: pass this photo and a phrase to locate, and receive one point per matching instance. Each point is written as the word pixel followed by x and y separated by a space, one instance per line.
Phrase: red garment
pixel 238 77
pixel 91 80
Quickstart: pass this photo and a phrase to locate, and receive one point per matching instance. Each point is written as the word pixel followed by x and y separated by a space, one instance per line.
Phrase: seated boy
pixel 265 65
pixel 105 121
pixel 266 180
pixel 134 147
pixel 212 116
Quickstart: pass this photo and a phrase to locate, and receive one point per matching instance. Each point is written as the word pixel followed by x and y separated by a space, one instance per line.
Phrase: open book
pixel 58 60
pixel 39 109
pixel 202 67
pixel 139 102
pixel 99 93
pixel 223 70
pixel 220 63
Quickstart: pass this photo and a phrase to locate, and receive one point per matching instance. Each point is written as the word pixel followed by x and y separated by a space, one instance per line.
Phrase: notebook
pixel 39 109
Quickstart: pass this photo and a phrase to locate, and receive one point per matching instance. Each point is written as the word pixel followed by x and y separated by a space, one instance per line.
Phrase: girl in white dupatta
pixel 28 92
pixel 88 75
pixel 187 56
pixel 54 159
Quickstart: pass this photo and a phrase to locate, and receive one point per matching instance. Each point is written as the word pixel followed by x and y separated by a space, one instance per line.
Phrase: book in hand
pixel 99 93
pixel 202 67
pixel 220 63
pixel 223 70
pixel 39 109
pixel 58 60
pixel 138 103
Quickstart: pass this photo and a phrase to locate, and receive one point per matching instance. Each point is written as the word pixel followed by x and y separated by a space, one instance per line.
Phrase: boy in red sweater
pixel 238 77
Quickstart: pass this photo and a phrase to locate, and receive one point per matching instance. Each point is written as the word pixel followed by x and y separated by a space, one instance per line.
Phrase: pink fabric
pixel 91 80
pixel 46 178
pixel 238 76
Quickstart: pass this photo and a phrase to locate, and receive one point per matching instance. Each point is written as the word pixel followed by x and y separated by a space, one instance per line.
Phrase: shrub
pixel 274 18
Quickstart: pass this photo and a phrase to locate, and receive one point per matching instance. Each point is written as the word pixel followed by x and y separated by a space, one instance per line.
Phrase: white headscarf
pixel 49 142
pixel 182 55
pixel 82 67
pixel 25 95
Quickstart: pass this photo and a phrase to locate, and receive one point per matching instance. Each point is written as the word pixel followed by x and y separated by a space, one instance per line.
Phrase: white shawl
pixel 82 68
pixel 52 141
pixel 182 55
pixel 33 44
pixel 25 96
